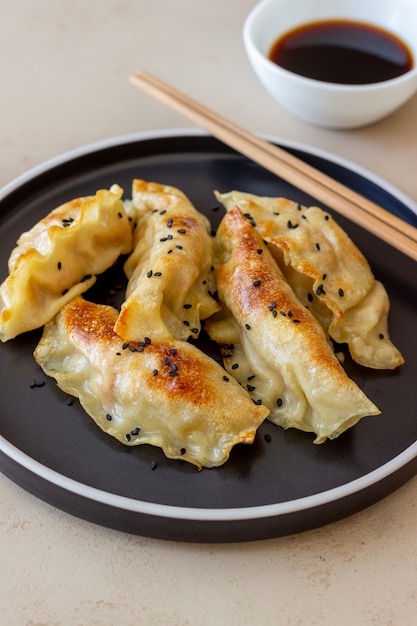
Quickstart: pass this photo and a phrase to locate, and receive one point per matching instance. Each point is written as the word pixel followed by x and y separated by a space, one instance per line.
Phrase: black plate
pixel 54 450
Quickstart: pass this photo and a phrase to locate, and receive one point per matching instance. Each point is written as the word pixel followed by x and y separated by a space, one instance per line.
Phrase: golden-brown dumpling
pixel 168 394
pixel 59 257
pixel 171 283
pixel 272 344
pixel 328 273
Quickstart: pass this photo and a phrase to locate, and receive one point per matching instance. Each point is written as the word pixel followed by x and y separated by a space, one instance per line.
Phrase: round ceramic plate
pixel 281 484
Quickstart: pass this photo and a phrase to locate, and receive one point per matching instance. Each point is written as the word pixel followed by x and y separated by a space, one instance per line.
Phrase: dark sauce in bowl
pixel 342 51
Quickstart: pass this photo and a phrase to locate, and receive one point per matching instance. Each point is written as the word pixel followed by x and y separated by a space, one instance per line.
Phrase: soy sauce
pixel 342 51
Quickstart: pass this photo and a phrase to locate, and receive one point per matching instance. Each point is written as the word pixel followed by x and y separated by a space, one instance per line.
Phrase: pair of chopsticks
pixel 367 214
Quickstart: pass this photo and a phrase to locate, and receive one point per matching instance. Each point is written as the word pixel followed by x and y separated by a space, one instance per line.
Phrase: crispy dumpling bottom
pixel 167 394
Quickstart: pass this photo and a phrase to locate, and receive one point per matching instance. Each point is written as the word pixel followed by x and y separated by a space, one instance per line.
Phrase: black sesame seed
pixel 283 313
pixel 251 377
pixel 86 277
pixel 163 239
pixel 182 231
pixel 267 438
pixel 341 293
pixel 162 212
pixel 179 247
pixel 186 323
pixel 250 388
pixel 127 437
pixel 247 326
pixel 296 321
pixel 256 283
pixel 59 264
pixel 187 306
pixel 182 451
pixel 155 373
pixel 169 222
pixel 289 224
pixel 147 340
pixel 125 345
pixel 320 290
pixel 274 313
pixel 310 297
pixel 158 274
pixel 258 402
pixel 166 361
pixel 170 237
pixel 327 217
pixel 195 331
pixel 64 291
pixel 275 213
pixel 381 335
pixel 169 251
pixel 120 215
pixel 109 417
pixel 149 274
pixel 172 351
pixel 154 465
pixel 317 246
pixel 289 313
pixel 226 378
pixel 279 402
pixel 235 366
pixel 70 401
pixel 259 251
pixel 135 431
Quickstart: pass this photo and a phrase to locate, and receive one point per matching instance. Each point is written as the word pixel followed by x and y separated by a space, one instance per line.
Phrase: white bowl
pixel 325 104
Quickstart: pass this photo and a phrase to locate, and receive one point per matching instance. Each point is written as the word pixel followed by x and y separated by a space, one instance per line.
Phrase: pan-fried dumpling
pixel 167 394
pixel 59 257
pixel 272 344
pixel 171 284
pixel 328 273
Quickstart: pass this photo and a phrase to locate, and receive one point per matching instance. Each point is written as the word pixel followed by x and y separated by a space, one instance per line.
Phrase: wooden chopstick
pixel 345 201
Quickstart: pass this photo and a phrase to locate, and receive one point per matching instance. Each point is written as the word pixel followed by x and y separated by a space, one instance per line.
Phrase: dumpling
pixel 58 259
pixel 328 273
pixel 167 394
pixel 272 344
pixel 171 284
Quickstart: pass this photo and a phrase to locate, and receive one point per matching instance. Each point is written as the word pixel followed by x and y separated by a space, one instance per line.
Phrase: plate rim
pixel 224 514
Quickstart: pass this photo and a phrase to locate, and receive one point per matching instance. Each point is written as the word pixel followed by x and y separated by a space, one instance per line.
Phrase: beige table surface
pixel 63 68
